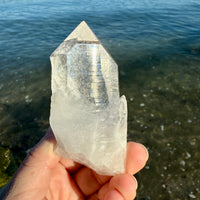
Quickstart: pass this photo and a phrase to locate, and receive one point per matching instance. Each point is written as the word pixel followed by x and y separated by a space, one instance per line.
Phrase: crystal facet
pixel 88 117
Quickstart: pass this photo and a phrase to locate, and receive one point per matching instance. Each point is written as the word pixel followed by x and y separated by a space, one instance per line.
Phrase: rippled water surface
pixel 157 47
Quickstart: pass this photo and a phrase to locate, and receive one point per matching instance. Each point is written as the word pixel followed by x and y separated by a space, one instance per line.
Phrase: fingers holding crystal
pixel 90 182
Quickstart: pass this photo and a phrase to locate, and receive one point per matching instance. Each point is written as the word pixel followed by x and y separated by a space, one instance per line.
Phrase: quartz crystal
pixel 88 118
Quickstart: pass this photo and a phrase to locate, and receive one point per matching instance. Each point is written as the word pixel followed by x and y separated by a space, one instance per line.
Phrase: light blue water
pixel 32 29
pixel 157 46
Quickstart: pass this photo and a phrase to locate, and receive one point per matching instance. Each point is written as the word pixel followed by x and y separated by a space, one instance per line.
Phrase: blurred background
pixel 156 44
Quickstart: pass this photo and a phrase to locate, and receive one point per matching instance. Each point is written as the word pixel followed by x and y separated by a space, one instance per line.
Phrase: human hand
pixel 46 176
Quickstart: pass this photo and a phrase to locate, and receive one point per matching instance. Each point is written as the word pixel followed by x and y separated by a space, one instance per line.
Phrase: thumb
pixel 43 153
pixel 31 181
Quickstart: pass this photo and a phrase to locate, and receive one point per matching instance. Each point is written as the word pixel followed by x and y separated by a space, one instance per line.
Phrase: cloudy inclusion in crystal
pixel 88 118
pixel 84 63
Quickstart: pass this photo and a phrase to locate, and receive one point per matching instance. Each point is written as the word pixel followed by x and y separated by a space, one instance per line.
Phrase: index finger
pixel 89 182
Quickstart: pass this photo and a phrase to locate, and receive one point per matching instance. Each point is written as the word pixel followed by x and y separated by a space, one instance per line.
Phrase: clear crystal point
pixel 88 117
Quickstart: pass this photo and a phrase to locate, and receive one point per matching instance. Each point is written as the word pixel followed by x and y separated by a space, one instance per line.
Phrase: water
pixel 157 47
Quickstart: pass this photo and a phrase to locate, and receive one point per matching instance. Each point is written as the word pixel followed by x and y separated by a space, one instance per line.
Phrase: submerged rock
pixel 7 164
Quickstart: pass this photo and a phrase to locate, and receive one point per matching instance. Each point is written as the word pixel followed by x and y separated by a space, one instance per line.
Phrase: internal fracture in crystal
pixel 88 118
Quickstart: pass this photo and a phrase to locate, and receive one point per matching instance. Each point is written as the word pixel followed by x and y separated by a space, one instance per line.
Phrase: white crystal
pixel 88 118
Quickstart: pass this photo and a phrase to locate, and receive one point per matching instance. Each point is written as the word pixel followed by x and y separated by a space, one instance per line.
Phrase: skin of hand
pixel 46 176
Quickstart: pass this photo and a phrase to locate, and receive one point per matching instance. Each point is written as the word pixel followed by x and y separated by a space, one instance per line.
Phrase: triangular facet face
pixel 83 33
